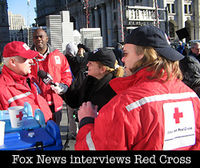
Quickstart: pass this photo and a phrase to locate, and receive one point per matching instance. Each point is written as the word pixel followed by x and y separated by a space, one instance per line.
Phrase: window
pixel 114 4
pixel 173 8
pixel 115 16
pixel 126 2
pixel 168 7
pixel 185 8
pixel 190 9
pixel 3 20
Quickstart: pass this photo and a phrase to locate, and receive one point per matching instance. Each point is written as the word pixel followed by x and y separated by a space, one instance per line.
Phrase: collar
pixel 123 83
pixel 16 78
pixel 42 57
pixel 105 80
pixel 192 54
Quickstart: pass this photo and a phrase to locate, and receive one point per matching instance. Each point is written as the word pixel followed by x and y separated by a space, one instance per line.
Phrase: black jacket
pixel 98 92
pixel 190 67
pixel 77 63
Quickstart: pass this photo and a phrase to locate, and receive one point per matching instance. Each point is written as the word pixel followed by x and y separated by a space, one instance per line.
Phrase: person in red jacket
pixel 153 108
pixel 16 84
pixel 55 63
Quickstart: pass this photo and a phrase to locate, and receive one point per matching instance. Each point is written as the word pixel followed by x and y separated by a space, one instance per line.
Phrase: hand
pixel 87 110
pixel 60 88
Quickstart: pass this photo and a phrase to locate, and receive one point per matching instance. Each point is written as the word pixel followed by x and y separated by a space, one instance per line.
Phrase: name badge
pixel 57 59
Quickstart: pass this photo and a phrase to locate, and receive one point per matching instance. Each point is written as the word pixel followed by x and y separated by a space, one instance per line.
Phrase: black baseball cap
pixel 152 36
pixel 103 55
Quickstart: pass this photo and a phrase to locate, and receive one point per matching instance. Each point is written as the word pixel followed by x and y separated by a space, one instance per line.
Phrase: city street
pixel 64 129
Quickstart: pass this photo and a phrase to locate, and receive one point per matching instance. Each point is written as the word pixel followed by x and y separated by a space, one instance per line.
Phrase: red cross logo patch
pixel 179 123
pixel 20 115
pixel 177 115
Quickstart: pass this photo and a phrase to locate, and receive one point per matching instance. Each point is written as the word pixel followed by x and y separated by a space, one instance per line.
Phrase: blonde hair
pixel 119 70
pixel 158 64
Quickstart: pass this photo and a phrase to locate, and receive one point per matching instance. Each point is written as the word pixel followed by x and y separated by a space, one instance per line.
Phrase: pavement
pixel 64 131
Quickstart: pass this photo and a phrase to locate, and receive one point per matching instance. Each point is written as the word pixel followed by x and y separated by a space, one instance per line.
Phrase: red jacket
pixel 145 115
pixel 14 91
pixel 57 66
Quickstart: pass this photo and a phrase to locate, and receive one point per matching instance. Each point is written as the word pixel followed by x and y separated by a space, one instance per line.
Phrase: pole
pixel 167 21
pixel 156 13
pixel 121 21
pixel 86 6
pixel 28 9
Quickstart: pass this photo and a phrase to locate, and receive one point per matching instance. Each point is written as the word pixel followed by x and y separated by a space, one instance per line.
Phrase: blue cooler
pixel 34 134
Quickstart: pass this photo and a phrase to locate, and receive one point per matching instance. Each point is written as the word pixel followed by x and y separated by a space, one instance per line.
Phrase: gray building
pixel 4 27
pixel 17 29
pixel 48 7
pixel 184 14
pixel 116 18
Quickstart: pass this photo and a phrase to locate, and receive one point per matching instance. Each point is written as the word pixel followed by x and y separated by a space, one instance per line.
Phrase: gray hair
pixel 6 59
pixel 193 44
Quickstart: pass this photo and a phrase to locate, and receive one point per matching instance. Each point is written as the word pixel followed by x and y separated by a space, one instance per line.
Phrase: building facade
pixel 4 27
pixel 16 21
pixel 48 7
pixel 169 15
pixel 116 18
pixel 184 14
pixel 19 35
pixel 17 29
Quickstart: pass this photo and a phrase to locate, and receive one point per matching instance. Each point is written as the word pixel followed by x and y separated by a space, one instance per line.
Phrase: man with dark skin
pixel 55 63
pixel 40 40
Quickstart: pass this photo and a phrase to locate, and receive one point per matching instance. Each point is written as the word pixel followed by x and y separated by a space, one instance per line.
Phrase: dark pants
pixel 57 116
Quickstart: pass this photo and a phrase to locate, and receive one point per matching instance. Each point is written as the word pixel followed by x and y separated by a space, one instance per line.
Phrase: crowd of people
pixel 142 95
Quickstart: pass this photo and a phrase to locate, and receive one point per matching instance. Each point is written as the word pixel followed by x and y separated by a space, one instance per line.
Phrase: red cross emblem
pixel 20 115
pixel 177 116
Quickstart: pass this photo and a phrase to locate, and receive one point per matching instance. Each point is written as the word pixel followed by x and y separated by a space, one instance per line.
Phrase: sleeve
pixel 1 107
pixel 71 97
pixel 3 100
pixel 44 107
pixel 110 131
pixel 74 95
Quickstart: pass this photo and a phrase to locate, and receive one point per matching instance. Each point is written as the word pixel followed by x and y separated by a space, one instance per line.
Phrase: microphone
pixel 46 77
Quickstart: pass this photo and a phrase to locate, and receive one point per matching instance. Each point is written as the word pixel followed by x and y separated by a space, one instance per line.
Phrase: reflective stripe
pixel 90 142
pixel 173 96
pixel 12 99
pixel 68 70
pixel 59 108
pixel 50 102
